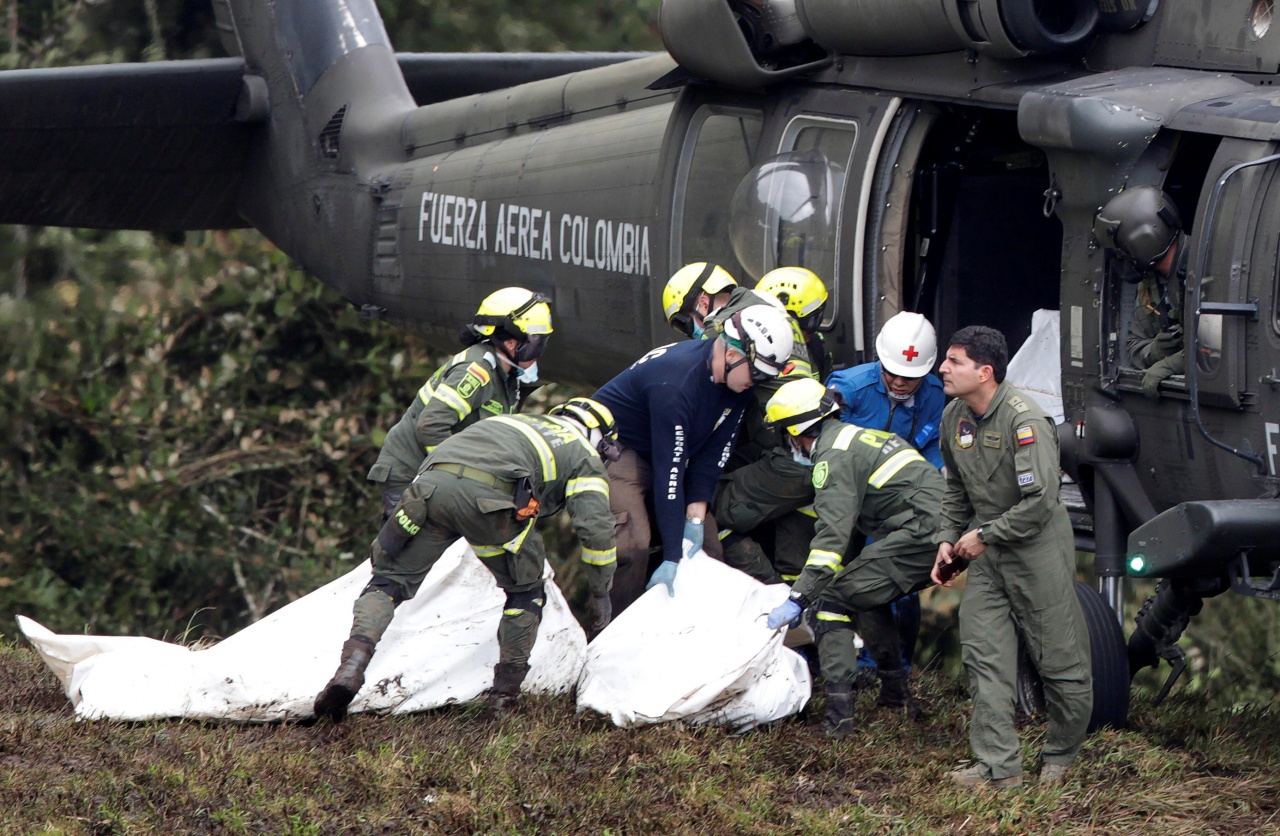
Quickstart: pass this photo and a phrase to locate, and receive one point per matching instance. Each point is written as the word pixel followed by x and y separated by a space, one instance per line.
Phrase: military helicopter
pixel 943 156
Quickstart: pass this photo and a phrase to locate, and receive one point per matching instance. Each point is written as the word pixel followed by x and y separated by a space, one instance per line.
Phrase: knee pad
pixel 531 600
pixel 387 587
pixel 831 617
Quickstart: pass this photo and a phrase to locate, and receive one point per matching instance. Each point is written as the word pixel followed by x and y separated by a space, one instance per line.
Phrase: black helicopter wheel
pixel 1110 666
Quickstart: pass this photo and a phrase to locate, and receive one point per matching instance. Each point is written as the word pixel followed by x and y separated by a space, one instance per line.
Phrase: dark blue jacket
pixel 867 404
pixel 671 412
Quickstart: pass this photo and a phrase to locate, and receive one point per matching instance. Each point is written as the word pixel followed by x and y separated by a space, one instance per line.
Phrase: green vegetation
pixel 1182 770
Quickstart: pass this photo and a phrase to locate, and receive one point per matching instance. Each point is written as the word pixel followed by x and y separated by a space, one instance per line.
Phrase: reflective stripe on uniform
pixel 825 559
pixel 845 438
pixel 808 511
pixel 515 543
pixel 487 551
pixel 823 615
pixel 599 557
pixel 539 444
pixel 890 468
pixel 790 578
pixel 453 400
pixel 584 484
pixel 513 612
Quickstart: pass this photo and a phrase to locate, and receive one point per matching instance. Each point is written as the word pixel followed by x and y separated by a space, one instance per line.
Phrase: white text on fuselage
pixel 529 232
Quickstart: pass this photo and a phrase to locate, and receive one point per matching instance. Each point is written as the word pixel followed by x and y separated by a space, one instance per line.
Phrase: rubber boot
pixel 347 681
pixel 504 696
pixel 839 720
pixel 895 692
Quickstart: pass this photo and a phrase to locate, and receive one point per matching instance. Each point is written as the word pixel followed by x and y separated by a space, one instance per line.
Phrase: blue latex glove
pixel 666 573
pixel 694 534
pixel 788 612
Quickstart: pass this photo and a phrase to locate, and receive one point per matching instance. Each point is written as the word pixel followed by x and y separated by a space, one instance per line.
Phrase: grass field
pixel 1189 768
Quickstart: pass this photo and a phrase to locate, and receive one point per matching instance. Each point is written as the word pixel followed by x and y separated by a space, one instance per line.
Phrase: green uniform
pixel 1158 308
pixel 1002 475
pixel 468 488
pixel 470 386
pixel 869 483
pixel 761 483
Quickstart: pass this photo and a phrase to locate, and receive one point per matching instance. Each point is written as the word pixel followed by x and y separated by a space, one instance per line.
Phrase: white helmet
pixel 907 345
pixel 762 333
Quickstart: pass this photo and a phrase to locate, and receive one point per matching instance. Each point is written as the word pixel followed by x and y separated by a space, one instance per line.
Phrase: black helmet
pixel 1140 223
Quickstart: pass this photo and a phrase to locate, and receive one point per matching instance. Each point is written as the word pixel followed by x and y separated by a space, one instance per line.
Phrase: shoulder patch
pixel 1027 478
pixel 820 472
pixel 1026 434
pixel 479 371
pixel 1018 404
pixel 468 386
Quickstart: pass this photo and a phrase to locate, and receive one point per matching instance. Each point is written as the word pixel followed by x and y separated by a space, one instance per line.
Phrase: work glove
pixel 599 613
pixel 665 574
pixel 1166 343
pixel 785 614
pixel 1169 366
pixel 694 534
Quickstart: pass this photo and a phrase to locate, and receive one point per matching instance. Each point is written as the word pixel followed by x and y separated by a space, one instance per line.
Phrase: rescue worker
pixel 764 494
pixel 694 291
pixel 1001 512
pixel 1141 225
pixel 490 483
pixel 504 341
pixel 678 409
pixel 897 393
pixel 871 486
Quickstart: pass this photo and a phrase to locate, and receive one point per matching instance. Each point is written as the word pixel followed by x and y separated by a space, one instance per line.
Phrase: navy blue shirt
pixel 867 404
pixel 672 413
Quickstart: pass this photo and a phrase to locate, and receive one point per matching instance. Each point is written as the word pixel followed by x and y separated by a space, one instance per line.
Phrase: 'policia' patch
pixel 964 434
pixel 820 475
pixel 1026 435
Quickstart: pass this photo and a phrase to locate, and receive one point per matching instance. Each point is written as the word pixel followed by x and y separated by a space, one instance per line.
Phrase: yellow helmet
pixel 597 420
pixel 799 289
pixel 800 404
pixel 518 311
pixel 690 280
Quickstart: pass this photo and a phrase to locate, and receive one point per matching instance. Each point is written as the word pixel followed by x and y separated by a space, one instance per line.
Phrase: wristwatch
pixel 981 537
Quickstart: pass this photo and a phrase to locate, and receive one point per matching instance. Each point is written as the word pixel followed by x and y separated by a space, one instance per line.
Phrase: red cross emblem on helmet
pixel 911 353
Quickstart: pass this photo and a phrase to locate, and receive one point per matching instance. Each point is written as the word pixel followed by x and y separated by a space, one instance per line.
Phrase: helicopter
pixel 940 156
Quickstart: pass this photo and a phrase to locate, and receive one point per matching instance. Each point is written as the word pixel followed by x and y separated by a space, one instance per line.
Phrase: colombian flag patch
pixel 1026 435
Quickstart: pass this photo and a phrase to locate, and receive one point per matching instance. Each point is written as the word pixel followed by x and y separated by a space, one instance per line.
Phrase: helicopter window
pixel 723 145
pixel 786 211
pixel 1218 279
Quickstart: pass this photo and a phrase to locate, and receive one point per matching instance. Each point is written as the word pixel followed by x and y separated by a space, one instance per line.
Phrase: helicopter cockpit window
pixel 724 146
pixel 786 212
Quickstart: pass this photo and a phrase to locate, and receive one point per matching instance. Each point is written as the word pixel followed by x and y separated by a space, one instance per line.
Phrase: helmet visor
pixel 531 348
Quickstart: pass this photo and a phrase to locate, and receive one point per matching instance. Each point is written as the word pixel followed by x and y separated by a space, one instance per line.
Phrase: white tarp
pixel 440 649
pixel 1037 367
pixel 703 656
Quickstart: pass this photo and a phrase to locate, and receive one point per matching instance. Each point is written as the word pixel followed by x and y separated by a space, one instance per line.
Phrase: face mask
pixel 529 375
pixel 698 330
pixel 800 458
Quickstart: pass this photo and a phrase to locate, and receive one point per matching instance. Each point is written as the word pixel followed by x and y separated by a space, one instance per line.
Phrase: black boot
pixel 346 683
pixel 504 696
pixel 895 692
pixel 839 719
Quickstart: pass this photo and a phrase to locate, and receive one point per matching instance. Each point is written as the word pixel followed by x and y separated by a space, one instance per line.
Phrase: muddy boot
pixel 504 696
pixel 346 683
pixel 895 692
pixel 839 719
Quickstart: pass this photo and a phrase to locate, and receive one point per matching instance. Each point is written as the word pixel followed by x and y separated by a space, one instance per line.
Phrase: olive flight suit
pixel 869 483
pixel 470 487
pixel 470 386
pixel 762 483
pixel 1002 476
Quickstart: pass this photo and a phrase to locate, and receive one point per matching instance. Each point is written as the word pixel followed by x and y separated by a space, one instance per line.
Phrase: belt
pixel 475 475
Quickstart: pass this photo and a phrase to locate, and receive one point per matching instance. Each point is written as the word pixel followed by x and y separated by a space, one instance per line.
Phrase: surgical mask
pixel 529 375
pixel 800 458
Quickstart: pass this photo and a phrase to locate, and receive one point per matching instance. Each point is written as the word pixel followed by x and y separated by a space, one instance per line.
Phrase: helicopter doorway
pixel 976 247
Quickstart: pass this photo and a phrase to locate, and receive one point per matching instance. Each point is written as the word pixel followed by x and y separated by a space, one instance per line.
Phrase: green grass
pixel 1188 768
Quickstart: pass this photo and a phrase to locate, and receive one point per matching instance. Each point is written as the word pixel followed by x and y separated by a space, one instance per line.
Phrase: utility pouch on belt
pixel 526 502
